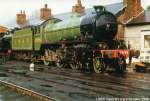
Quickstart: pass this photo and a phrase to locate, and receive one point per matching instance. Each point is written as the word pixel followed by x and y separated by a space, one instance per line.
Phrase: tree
pixel 148 8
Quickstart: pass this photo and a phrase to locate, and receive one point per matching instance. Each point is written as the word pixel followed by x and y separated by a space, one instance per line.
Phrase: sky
pixel 9 8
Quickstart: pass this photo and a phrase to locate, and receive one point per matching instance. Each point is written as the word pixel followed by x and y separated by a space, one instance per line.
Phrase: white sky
pixel 9 8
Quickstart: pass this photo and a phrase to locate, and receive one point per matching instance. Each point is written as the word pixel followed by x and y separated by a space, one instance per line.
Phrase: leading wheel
pixel 59 59
pixel 75 65
pixel 98 65
pixel 45 58
pixel 60 64
pixel 46 62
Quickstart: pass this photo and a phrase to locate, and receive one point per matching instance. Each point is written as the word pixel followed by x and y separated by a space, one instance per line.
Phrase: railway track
pixel 112 86
pixel 25 91
pixel 81 85
pixel 127 85
pixel 109 84
pixel 116 79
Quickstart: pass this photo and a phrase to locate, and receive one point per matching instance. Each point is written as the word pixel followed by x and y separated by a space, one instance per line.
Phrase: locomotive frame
pixel 81 42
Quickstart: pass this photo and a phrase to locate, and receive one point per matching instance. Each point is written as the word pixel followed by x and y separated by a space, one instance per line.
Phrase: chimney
pixel 45 13
pixel 79 3
pixel 78 8
pixel 133 9
pixel 21 18
pixel 125 2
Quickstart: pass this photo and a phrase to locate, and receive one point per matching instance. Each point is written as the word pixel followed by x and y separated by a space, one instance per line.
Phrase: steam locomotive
pixel 80 42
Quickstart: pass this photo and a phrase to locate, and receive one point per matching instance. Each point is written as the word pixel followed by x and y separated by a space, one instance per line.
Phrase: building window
pixel 146 41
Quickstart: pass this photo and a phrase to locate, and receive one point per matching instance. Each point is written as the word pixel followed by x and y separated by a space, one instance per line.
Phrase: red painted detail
pixel 114 53
pixel 7 52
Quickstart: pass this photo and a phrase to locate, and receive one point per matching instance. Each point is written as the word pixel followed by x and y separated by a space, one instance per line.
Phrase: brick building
pixel 132 9
pixel 21 19
pixel 3 30
pixel 42 14
pixel 137 34
pixel 78 8
pixel 45 13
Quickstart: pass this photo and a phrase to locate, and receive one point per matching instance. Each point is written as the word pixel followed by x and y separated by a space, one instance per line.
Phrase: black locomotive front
pixel 5 44
pixel 101 24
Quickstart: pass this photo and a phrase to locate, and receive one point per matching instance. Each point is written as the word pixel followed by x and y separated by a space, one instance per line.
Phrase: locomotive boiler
pixel 82 41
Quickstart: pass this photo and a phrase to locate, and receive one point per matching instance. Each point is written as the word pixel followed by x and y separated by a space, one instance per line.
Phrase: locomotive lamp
pixel 99 9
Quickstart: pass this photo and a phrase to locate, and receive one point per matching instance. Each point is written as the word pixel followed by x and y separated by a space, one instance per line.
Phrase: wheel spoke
pixel 75 66
pixel 45 60
pixel 97 65
pixel 60 64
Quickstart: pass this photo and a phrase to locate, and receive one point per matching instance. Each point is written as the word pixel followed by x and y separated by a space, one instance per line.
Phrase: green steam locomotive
pixel 80 42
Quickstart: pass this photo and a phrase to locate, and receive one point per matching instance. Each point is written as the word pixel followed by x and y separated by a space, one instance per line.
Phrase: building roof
pixel 114 8
pixel 3 29
pixel 142 19
pixel 34 19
